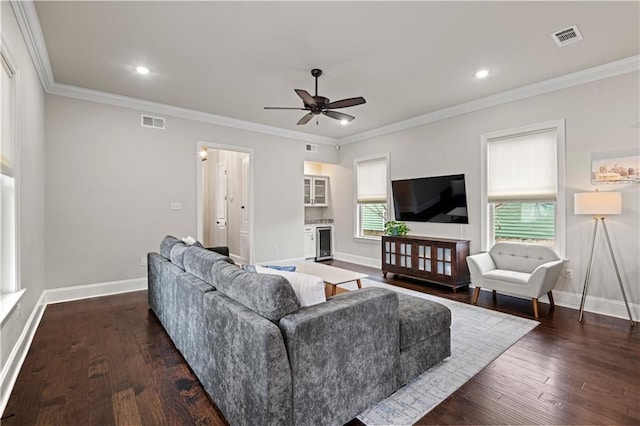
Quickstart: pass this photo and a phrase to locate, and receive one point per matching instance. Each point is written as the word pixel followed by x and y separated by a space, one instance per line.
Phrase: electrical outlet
pixel 568 273
pixel 143 261
pixel 176 206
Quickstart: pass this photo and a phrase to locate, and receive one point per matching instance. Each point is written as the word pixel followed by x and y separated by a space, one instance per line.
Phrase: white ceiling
pixel 406 58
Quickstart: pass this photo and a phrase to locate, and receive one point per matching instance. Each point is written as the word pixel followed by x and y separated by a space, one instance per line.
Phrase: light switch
pixel 176 206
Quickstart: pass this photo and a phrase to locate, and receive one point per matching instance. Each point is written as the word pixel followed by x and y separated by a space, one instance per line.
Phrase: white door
pixel 245 209
pixel 221 204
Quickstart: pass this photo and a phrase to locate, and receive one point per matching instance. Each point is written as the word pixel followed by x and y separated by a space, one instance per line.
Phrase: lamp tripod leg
pixel 615 265
pixel 588 275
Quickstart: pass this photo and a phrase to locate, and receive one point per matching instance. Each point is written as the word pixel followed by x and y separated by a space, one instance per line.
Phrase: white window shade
pixel 522 168
pixel 371 178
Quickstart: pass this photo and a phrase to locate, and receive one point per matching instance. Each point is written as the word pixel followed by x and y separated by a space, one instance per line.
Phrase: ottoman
pixel 425 336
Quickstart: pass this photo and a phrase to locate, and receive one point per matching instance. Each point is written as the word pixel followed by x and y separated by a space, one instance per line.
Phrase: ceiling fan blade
pixel 305 119
pixel 302 109
pixel 338 115
pixel 344 103
pixel 306 97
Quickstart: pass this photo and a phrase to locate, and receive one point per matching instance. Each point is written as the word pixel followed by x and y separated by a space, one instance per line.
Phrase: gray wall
pixel 110 183
pixel 600 116
pixel 31 203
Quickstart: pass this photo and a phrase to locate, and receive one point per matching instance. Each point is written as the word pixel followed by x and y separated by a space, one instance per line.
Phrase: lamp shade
pixel 597 203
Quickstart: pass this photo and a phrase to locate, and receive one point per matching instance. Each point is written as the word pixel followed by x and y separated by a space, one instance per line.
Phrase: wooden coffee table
pixel 331 275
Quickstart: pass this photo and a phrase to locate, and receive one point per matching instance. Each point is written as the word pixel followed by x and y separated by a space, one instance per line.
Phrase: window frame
pixel 8 63
pixel 487 211
pixel 357 230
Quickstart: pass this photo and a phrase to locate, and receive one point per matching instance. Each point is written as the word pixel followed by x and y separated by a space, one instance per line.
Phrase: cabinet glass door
pixel 390 253
pixel 405 255
pixel 319 191
pixel 424 258
pixel 444 261
pixel 307 191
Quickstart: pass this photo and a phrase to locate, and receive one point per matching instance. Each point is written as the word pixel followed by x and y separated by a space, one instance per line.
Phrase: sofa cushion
pixel 167 244
pixel 521 257
pixel 420 319
pixel 199 262
pixel 509 276
pixel 308 288
pixel 177 253
pixel 271 296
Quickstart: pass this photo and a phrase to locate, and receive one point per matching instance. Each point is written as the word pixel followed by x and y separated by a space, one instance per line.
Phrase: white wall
pixel 600 116
pixel 31 203
pixel 110 183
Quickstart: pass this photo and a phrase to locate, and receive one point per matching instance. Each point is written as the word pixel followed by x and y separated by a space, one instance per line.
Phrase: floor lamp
pixel 599 204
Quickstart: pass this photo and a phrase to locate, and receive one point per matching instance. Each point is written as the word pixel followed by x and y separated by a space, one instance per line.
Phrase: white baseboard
pixel 67 294
pixel 359 260
pixel 14 362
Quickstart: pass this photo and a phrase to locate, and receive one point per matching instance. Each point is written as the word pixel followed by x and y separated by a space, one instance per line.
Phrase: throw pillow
pixel 308 288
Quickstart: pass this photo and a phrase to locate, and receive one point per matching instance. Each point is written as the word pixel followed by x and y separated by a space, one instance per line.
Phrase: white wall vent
pixel 153 122
pixel 567 36
pixel 309 147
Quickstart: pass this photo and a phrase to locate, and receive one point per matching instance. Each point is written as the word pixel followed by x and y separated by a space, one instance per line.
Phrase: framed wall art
pixel 615 167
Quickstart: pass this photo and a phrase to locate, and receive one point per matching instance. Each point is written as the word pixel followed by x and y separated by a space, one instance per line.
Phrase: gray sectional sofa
pixel 264 360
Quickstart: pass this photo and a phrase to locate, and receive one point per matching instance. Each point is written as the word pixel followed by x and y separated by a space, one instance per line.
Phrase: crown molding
pixel 588 75
pixel 27 18
pixel 81 93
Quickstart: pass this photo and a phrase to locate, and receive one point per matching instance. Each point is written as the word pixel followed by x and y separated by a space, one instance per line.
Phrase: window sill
pixel 8 301
pixel 368 239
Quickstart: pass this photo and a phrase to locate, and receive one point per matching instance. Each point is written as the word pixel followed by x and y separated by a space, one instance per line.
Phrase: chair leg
pixel 535 307
pixel 551 302
pixel 476 294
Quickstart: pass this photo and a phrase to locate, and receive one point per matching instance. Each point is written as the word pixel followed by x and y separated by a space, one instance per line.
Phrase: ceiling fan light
pixel 344 122
pixel 482 73
pixel 142 70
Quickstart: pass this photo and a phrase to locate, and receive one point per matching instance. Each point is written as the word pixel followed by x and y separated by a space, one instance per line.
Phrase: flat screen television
pixel 441 199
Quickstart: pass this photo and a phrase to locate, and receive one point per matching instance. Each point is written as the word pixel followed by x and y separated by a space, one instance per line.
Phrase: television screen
pixel 440 199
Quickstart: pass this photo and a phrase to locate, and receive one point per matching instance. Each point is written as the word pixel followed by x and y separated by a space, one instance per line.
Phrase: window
pixel 8 280
pixel 522 181
pixel 371 195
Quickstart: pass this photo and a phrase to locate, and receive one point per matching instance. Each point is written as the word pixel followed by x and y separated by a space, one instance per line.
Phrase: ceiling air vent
pixel 309 147
pixel 567 36
pixel 153 122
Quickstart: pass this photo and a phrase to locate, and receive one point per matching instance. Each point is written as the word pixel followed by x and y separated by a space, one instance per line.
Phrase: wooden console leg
pixel 535 307
pixel 476 294
pixel 384 274
pixel 550 295
pixel 495 296
pixel 359 283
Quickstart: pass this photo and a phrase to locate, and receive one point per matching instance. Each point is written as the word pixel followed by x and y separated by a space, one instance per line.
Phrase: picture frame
pixel 615 167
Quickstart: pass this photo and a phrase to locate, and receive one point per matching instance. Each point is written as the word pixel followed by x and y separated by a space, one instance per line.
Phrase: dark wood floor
pixel 108 361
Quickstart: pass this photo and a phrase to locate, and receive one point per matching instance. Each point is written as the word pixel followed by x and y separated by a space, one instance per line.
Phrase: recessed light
pixel 482 74
pixel 142 70
pixel 344 122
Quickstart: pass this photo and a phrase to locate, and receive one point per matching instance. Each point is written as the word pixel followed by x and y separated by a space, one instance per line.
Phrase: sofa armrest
pixel 544 277
pixel 479 264
pixel 343 354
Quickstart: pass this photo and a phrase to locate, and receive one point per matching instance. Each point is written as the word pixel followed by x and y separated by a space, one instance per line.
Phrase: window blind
pixel 371 181
pixel 522 168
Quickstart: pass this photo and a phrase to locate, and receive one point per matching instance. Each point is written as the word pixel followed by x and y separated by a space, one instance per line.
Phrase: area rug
pixel 478 336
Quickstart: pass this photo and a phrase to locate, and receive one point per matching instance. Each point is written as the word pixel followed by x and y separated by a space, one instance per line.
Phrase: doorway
pixel 224 188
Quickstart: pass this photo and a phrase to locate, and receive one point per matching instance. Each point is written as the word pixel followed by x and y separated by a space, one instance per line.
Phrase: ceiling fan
pixel 317 105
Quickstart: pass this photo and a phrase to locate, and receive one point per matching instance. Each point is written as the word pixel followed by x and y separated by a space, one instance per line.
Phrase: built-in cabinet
pixel 309 242
pixel 438 260
pixel 316 191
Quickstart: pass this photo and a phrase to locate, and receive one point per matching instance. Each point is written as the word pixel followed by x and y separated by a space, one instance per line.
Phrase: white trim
pixel 597 305
pixel 199 188
pixel 67 294
pixel 359 260
pixel 8 301
pixel 16 358
pixel 32 32
pixel 577 78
